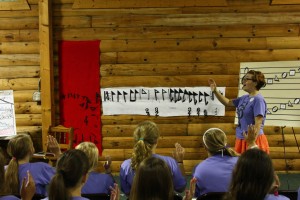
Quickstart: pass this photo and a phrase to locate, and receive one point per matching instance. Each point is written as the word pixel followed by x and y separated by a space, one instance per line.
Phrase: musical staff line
pixel 282 90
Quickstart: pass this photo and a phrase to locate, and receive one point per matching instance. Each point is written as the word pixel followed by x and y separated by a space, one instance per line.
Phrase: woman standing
pixel 251 109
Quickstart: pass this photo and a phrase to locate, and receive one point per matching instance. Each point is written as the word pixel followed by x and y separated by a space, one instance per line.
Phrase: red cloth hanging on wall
pixel 79 88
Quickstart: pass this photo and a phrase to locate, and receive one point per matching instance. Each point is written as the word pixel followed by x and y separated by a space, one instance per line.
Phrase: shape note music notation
pixel 281 93
pixel 162 101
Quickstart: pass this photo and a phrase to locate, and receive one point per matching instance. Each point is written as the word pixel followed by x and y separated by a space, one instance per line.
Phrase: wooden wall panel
pixel 19 23
pixel 19 59
pixel 195 19
pixel 14 5
pixel 33 11
pixel 168 81
pixel 73 22
pixel 27 107
pixel 127 130
pixel 19 35
pixel 203 56
pixel 19 84
pixel 137 3
pixel 19 47
pixel 18 71
pixel 29 120
pixel 181 45
pixel 221 31
pixel 171 69
pixel 23 95
pixel 135 119
pixel 285 2
pixel 186 44
pixel 20 66
pixel 158 43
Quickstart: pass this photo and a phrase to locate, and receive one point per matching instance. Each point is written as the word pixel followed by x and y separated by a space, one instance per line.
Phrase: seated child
pixel 96 182
pixel 21 149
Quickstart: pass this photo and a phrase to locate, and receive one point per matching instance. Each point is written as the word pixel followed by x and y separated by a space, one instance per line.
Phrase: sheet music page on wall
pixel 282 91
pixel 7 114
pixel 161 101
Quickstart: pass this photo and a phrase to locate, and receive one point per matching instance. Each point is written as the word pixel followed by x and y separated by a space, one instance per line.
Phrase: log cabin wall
pixel 176 44
pixel 20 64
pixel 157 43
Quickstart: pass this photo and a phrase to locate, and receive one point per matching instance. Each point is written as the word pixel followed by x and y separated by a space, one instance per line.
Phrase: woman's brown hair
pixel 18 148
pixel 252 176
pixel 70 169
pixel 153 180
pixel 259 78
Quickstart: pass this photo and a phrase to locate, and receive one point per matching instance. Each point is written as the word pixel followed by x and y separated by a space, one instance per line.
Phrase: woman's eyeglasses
pixel 246 79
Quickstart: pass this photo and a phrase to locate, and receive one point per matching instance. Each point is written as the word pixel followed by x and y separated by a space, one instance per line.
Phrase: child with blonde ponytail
pixel 146 137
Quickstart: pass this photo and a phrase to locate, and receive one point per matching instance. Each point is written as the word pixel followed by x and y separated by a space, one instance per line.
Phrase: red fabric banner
pixel 79 88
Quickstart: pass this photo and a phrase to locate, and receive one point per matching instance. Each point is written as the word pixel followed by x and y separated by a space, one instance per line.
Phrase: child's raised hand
pixel 189 194
pixel 53 146
pixel 107 164
pixel 27 187
pixel 178 153
pixel 115 192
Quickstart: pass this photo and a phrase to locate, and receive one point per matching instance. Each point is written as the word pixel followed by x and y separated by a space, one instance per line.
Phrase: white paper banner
pixel 7 114
pixel 161 101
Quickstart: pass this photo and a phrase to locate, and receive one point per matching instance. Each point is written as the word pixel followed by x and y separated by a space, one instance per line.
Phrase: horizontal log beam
pixel 228 31
pixel 11 72
pixel 135 119
pixel 19 23
pixel 137 4
pixel 127 130
pixel 202 19
pixel 19 84
pixel 27 108
pixel 168 81
pixel 201 56
pixel 19 47
pixel 170 69
pixel 19 59
pixel 28 119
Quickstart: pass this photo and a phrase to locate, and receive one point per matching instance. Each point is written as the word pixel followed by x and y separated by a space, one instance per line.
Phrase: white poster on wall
pixel 7 114
pixel 281 93
pixel 161 101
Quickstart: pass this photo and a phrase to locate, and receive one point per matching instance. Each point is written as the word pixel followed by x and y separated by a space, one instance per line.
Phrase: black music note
pixel 189 111
pixel 156 111
pixel 147 111
pixel 198 111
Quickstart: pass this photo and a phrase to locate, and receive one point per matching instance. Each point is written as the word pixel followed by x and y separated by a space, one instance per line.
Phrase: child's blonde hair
pixel 215 141
pixel 91 151
pixel 145 135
